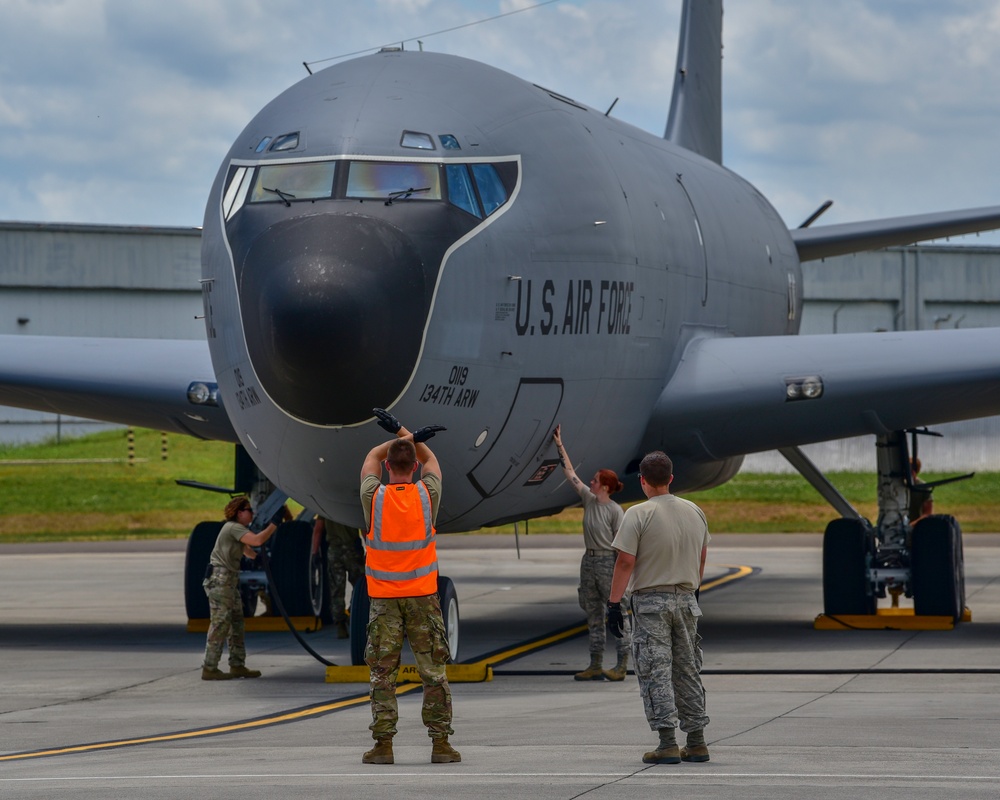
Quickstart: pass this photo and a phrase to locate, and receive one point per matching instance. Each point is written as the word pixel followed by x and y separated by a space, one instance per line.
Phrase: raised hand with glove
pixel 427 432
pixel 388 422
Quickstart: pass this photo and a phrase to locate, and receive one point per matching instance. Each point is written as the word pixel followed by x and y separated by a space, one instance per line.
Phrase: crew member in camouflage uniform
pixel 662 544
pixel 601 518
pixel 221 584
pixel 401 574
pixel 345 561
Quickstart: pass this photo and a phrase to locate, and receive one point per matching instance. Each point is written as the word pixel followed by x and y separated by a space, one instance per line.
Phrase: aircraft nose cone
pixel 333 310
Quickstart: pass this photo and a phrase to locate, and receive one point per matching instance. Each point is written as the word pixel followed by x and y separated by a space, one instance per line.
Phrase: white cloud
pixel 886 106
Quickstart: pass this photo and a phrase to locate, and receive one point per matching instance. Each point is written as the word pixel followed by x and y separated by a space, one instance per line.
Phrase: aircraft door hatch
pixel 527 429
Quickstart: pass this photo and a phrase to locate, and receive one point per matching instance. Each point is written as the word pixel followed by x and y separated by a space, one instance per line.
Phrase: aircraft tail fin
pixel 695 121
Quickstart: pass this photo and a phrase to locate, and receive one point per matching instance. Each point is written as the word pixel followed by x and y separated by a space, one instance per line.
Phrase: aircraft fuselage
pixel 427 234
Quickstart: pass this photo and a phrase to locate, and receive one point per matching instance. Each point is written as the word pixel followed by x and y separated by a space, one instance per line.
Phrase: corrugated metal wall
pixel 91 280
pixel 94 280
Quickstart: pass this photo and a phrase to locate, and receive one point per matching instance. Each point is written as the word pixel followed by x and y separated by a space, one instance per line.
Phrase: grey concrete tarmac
pixel 93 648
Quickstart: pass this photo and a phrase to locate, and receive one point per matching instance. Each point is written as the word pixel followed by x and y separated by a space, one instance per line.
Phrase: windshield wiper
pixel 404 194
pixel 283 195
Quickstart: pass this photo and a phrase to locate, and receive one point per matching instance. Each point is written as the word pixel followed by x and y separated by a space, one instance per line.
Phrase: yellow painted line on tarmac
pixel 482 670
pixel 408 673
pixel 232 727
pixel 484 666
pixel 736 573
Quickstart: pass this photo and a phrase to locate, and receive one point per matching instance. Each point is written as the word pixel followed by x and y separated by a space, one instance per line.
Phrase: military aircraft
pixel 427 234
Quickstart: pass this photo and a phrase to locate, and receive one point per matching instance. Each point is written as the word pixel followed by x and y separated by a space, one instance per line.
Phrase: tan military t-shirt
pixel 228 548
pixel 600 521
pixel 666 534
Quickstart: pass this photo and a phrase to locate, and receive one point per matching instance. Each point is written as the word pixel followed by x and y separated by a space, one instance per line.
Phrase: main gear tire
pixel 360 608
pixel 299 574
pixel 848 550
pixel 937 567
pixel 449 611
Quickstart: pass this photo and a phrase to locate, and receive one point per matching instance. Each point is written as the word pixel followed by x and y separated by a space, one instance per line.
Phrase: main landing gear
pixel 298 569
pixel 297 558
pixel 920 559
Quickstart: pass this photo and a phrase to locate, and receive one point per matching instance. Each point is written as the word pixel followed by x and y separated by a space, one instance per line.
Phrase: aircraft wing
pixel 142 382
pixel 853 237
pixel 729 396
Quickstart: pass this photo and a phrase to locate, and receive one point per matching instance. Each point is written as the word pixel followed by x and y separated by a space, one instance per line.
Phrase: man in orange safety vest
pixel 402 573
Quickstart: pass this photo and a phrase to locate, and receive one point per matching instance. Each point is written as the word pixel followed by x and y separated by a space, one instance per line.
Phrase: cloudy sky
pixel 120 111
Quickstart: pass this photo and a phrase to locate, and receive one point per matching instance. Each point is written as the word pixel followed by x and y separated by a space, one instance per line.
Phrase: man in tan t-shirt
pixel 662 544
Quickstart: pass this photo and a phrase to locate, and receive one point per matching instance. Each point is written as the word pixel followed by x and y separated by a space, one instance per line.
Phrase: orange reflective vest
pixel 401 560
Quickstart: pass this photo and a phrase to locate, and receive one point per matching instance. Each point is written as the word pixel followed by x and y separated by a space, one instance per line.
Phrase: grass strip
pixel 85 489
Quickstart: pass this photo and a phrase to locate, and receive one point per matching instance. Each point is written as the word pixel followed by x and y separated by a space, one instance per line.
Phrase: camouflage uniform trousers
pixel 420 620
pixel 594 590
pixel 668 658
pixel 345 561
pixel 226 612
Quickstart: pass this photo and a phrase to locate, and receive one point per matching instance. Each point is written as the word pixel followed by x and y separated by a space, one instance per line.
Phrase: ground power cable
pixel 284 614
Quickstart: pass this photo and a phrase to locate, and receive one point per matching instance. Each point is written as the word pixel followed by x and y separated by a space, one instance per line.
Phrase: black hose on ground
pixel 281 609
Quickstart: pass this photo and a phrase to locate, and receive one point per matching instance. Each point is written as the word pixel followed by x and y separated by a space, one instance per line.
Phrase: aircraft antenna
pixel 435 33
pixel 816 214
pixel 608 112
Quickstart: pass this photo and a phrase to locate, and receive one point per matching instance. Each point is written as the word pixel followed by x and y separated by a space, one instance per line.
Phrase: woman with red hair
pixel 601 518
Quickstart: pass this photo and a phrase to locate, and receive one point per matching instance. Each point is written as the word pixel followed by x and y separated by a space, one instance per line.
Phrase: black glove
pixel 386 421
pixel 281 515
pixel 616 622
pixel 427 432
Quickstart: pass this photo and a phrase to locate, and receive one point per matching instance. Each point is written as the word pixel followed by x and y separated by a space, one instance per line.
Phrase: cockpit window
pixel 460 191
pixel 449 142
pixel 287 141
pixel 419 141
pixel 386 181
pixel 286 182
pixel 478 189
pixel 491 188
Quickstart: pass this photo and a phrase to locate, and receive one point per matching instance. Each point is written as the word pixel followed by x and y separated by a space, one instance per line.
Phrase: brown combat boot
pixel 666 752
pixel 214 674
pixel 242 672
pixel 619 671
pixel 342 632
pixel 381 753
pixel 663 755
pixel 594 671
pixel 694 752
pixel 444 753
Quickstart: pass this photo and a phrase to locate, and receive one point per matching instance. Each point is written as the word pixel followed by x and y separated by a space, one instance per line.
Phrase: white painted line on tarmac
pixel 437 773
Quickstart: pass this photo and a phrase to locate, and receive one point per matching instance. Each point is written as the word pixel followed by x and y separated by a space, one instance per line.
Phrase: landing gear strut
pixel 920 559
